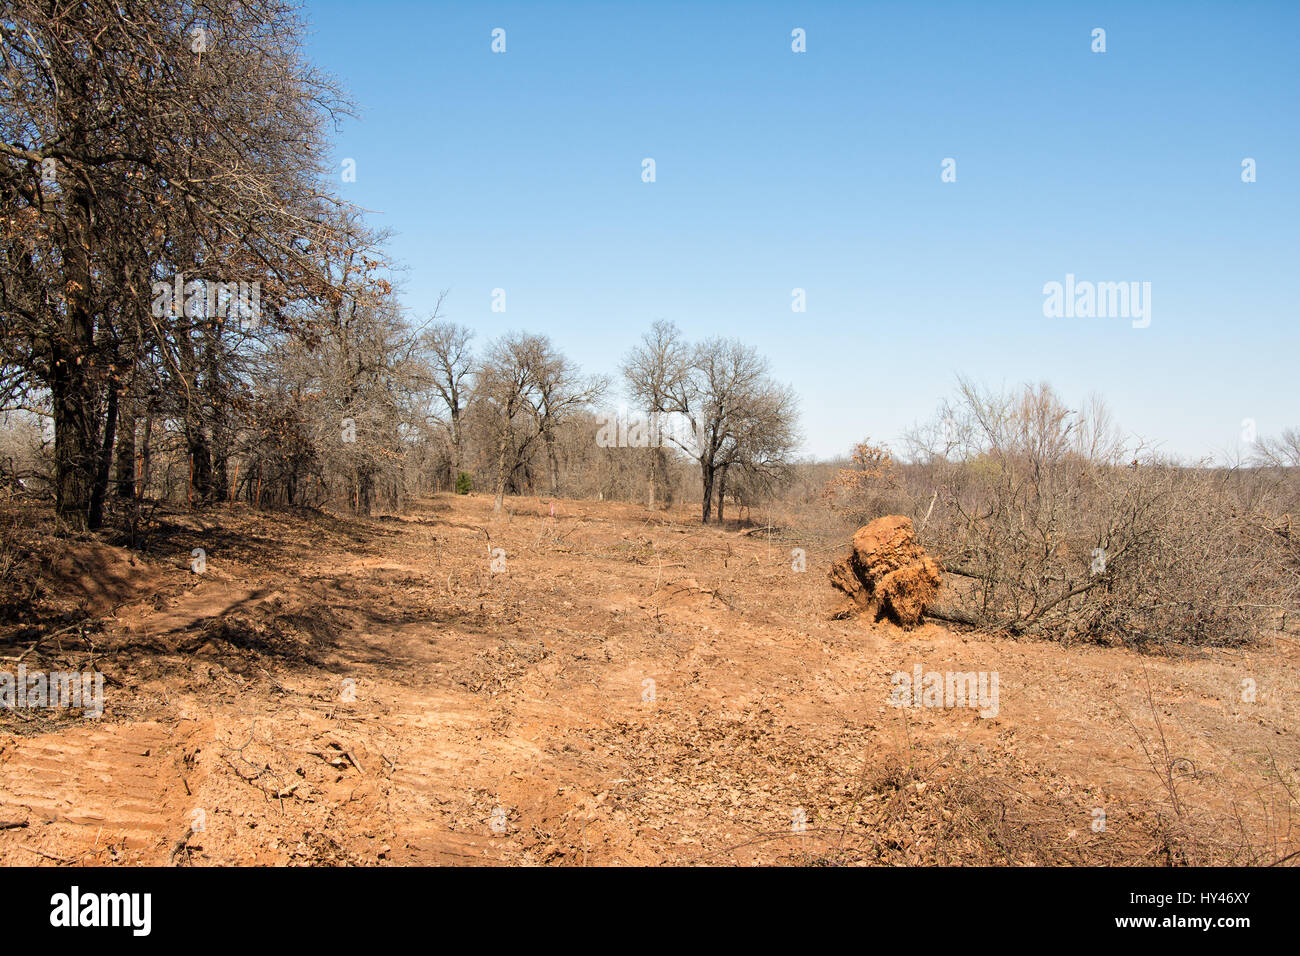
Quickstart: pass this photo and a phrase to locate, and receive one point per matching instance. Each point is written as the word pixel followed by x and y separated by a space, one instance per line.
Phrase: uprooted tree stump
pixel 888 574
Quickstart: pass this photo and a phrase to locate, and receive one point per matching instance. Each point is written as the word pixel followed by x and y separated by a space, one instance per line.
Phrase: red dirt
pixel 887 574
pixel 630 688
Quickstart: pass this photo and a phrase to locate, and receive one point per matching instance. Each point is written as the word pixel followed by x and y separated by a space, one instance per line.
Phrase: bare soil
pixel 618 686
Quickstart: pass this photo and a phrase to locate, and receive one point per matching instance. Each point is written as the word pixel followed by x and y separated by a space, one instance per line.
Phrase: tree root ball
pixel 888 575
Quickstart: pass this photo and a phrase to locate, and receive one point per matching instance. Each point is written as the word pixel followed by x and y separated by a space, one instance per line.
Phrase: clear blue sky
pixel 821 170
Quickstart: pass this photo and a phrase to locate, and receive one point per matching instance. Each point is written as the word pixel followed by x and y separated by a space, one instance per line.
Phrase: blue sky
pixel 821 170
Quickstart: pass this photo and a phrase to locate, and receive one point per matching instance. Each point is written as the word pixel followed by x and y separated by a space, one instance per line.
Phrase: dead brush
pixel 910 808
pixel 1262 832
pixel 1048 522
pixel 11 558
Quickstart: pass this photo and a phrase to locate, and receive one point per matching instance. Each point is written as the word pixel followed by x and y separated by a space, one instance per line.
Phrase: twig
pixel 18 658
pixel 49 856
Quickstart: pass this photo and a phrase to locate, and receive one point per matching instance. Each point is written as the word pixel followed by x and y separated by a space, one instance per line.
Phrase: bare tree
pixel 1046 520
pixel 561 392
pixel 756 454
pixel 737 416
pixel 452 365
pixel 504 383
pixel 1280 452
pixel 653 371
pixel 526 391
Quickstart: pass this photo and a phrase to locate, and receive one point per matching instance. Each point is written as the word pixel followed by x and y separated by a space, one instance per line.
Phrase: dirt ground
pixel 600 685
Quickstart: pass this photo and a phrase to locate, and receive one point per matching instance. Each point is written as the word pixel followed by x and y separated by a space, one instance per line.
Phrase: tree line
pixel 202 318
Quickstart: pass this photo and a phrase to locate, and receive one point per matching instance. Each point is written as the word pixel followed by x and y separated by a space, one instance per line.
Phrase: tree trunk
pixel 365 492
pixel 502 475
pixel 659 478
pixel 722 491
pixel 200 462
pixel 125 465
pixel 197 446
pixel 457 448
pixel 553 461
pixel 653 478
pixel 706 473
pixel 74 438
pixel 954 614
pixel 74 395
pixel 146 455
pixel 219 444
pixel 104 465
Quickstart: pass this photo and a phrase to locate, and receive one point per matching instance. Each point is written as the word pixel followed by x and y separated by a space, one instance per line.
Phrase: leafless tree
pixel 755 458
pixel 737 416
pixel 527 390
pixel 561 392
pixel 452 362
pixel 1280 452
pixel 1047 520
pixel 652 372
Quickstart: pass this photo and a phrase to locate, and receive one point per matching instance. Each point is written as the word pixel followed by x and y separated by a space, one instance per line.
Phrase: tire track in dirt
pixel 105 791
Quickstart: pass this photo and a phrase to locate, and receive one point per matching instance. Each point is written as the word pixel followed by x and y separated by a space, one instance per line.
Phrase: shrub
pixel 464 483
pixel 1046 520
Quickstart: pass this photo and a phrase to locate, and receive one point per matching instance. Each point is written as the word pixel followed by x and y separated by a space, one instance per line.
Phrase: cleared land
pixel 374 692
